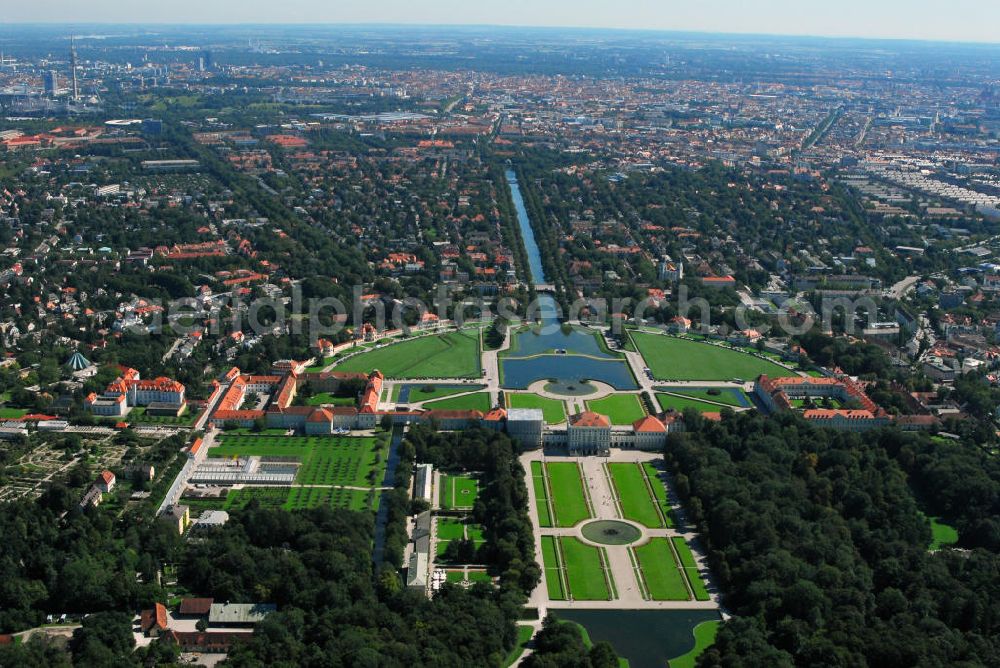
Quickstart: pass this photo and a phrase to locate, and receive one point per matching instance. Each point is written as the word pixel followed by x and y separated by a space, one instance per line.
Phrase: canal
pixel 551 351
pixel 647 638
pixel 528 234
pixel 382 515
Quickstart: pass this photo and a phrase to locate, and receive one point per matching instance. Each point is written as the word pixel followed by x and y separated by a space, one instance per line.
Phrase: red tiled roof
pixel 162 384
pixel 495 415
pixel 33 417
pixel 589 419
pixel 778 388
pixel 648 425
pixel 341 375
pixel 237 415
pixel 320 415
pixel 918 419
pixel 292 410
pixel 196 606
pixel 829 414
pixel 369 400
pixel 263 380
pixel 286 390
pixel 454 415
pixel 156 617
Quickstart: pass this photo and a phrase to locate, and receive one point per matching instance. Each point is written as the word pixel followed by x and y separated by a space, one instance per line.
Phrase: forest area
pixel 819 542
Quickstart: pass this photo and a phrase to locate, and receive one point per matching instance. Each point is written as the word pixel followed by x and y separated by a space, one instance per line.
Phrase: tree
pixel 560 644
pixel 809 529
pixel 38 652
pixel 102 639
pixel 331 605
pixel 351 387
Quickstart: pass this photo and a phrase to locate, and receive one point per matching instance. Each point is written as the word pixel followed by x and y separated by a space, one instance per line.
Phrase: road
pixel 491 365
pixel 210 407
pixel 170 351
pixel 180 482
pixel 382 516
pixel 984 242
pixel 903 287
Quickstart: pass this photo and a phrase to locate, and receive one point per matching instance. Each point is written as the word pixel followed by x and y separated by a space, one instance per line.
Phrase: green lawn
pixel 326 460
pixel 620 408
pixel 704 637
pixel 826 402
pixel 138 415
pixel 327 398
pixel 197 505
pixel 672 358
pixel 569 501
pixel 418 393
pixel 664 580
pixel 684 552
pixel 541 495
pixel 478 401
pixel 670 402
pixel 440 548
pixel 637 504
pixel 269 497
pixel 12 413
pixel 524 634
pixel 452 355
pixel 295 498
pixel 553 569
pixel 724 396
pixel 553 410
pixel 319 366
pixel 457 492
pixel 659 491
pixel 690 568
pixel 335 497
pixel 471 576
pixel 449 528
pixel 584 570
pixel 330 467
pixel 942 534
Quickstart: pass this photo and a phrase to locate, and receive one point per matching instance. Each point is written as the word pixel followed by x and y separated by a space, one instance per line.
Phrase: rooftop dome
pixel 78 362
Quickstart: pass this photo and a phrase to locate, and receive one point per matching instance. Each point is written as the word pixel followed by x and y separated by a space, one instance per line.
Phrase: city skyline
pixel 964 20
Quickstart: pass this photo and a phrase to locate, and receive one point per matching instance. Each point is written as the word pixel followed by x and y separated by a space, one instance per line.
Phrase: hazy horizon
pixel 920 20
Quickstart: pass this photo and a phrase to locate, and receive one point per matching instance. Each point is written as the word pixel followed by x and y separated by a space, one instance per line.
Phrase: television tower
pixel 72 61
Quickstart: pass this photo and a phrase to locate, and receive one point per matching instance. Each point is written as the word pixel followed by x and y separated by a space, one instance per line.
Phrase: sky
pixel 951 20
